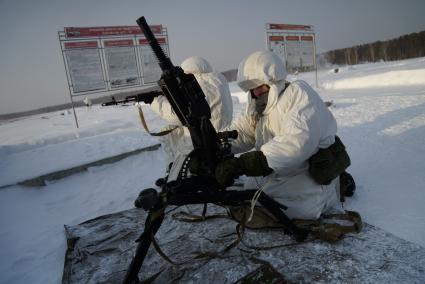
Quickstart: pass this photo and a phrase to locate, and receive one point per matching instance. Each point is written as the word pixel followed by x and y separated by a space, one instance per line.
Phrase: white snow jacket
pixel 216 89
pixel 293 126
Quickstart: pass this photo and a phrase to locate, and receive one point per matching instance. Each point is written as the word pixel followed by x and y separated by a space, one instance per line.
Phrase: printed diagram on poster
pixel 151 70
pixel 102 59
pixel 293 56
pixel 121 62
pixel 277 45
pixel 307 51
pixel 84 65
pixel 295 44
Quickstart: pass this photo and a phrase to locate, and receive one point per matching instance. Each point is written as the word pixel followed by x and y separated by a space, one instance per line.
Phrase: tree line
pixel 403 47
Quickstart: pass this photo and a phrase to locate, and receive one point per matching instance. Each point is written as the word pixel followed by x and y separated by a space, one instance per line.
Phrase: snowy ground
pixel 380 109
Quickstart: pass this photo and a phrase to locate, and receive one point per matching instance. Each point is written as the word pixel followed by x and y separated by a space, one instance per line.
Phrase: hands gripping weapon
pixel 188 102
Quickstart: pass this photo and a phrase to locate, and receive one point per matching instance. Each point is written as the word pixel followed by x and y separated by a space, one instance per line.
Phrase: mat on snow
pixel 100 250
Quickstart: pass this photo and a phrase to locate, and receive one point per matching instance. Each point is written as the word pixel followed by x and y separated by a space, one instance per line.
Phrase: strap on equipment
pixel 145 126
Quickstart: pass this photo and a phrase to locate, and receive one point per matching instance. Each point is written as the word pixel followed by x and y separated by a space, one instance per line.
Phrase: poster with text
pixel 121 63
pixel 307 51
pixel 277 45
pixel 293 60
pixel 85 67
pixel 151 70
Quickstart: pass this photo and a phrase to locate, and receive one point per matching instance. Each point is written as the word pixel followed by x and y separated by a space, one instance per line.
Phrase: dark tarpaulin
pixel 100 250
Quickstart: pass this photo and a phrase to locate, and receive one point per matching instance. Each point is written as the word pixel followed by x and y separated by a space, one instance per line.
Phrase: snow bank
pixel 385 79
pixel 43 144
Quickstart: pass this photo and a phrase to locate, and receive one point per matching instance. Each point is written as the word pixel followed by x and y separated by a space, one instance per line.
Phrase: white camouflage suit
pixel 178 143
pixel 294 125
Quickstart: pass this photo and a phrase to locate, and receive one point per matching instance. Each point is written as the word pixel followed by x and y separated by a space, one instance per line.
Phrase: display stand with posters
pixel 109 59
pixel 295 44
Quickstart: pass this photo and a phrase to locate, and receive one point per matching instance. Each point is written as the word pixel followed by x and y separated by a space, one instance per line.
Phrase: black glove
pixel 251 164
pixel 148 98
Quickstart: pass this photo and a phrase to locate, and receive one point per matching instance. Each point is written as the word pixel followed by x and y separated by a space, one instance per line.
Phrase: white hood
pixel 261 67
pixel 216 89
pixel 196 65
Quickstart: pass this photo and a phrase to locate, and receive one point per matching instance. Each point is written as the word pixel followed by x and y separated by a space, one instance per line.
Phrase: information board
pixel 102 59
pixel 84 65
pixel 108 59
pixel 295 44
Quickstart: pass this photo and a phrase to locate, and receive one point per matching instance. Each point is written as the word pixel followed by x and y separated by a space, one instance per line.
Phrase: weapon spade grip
pixel 163 61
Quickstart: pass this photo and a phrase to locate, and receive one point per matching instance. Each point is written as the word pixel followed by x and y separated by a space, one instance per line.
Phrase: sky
pixel 32 73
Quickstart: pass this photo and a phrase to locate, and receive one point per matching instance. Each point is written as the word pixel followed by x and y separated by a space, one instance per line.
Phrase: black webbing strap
pixel 222 198
pixel 193 218
pixel 275 209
